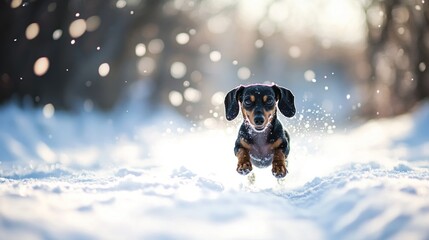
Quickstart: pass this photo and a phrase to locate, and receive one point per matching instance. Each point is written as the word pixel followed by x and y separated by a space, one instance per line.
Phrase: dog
pixel 261 140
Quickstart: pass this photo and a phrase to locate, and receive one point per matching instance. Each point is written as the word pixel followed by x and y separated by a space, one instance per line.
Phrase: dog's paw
pixel 279 171
pixel 244 168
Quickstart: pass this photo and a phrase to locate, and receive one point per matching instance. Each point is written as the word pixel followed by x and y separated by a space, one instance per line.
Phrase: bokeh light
pixel 192 95
pixel 218 24
pixel 104 69
pixel 294 52
pixel 146 65
pixel 32 31
pixel 92 23
pixel 182 38
pixel 244 73
pixel 77 28
pixel 15 3
pixel 309 75
pixel 175 98
pixel 140 49
pixel 121 3
pixel 41 66
pixel 218 98
pixel 48 110
pixel 259 43
pixel 156 46
pixel 215 56
pixel 57 34
pixel 178 70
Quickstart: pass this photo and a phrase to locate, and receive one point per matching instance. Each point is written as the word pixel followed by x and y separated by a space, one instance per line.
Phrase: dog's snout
pixel 259 120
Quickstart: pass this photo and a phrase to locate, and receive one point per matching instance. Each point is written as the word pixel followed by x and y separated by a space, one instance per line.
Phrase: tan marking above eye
pixel 252 98
pixel 265 98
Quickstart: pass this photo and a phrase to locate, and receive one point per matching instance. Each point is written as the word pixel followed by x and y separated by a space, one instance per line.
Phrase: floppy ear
pixel 285 101
pixel 231 103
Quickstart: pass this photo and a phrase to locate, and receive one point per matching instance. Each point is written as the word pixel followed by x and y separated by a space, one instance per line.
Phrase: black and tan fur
pixel 261 140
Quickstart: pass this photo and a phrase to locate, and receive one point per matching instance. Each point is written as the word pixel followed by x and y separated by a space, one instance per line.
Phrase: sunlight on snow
pixel 210 153
pixel 331 21
pixel 126 151
pixel 45 153
pixel 85 157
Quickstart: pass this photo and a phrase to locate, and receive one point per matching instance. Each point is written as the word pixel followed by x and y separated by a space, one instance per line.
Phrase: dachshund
pixel 261 140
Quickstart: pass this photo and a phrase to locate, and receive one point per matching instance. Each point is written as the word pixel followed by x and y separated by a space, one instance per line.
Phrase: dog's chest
pixel 261 152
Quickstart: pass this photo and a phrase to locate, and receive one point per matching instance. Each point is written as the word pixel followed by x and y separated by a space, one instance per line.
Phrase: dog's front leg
pixel 244 165
pixel 279 164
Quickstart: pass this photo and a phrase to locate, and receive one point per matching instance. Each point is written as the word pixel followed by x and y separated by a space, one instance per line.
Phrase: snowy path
pixel 59 179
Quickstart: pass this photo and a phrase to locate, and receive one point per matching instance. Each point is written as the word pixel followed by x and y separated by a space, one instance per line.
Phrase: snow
pixel 123 175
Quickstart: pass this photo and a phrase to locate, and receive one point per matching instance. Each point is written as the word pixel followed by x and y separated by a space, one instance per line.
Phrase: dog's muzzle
pixel 259 120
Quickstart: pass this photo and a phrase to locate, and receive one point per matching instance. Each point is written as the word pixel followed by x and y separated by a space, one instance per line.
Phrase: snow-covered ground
pixel 116 176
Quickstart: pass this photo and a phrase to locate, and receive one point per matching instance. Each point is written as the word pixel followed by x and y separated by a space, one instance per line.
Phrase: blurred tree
pixel 187 53
pixel 398 46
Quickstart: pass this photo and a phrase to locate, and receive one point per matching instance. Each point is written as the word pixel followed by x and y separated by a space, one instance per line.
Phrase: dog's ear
pixel 285 101
pixel 231 102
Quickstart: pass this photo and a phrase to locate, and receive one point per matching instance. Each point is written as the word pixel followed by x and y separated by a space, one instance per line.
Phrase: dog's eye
pixel 270 101
pixel 247 102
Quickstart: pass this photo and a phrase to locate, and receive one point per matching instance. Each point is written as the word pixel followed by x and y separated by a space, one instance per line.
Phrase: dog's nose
pixel 259 120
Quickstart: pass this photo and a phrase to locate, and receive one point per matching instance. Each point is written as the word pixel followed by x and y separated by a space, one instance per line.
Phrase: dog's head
pixel 258 103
